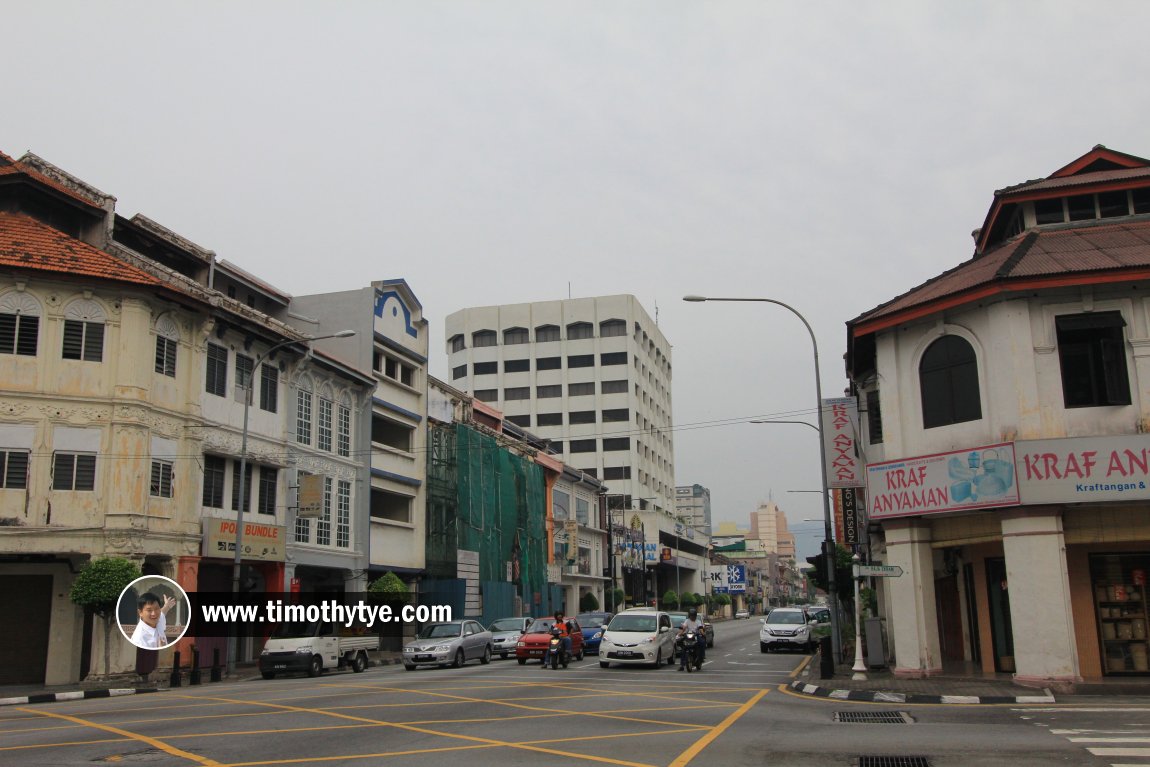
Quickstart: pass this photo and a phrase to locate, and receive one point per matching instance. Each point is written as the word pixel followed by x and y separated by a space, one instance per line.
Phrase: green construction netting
pixel 482 497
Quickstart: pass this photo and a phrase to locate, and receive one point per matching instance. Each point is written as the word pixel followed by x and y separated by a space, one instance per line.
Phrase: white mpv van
pixel 638 635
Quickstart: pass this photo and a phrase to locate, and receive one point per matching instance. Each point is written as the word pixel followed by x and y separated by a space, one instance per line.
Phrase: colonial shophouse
pixel 127 353
pixel 1007 405
pixel 391 341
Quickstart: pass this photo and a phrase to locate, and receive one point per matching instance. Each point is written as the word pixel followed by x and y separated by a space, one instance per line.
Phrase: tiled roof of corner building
pixel 1084 179
pixel 1033 255
pixel 26 243
pixel 10 167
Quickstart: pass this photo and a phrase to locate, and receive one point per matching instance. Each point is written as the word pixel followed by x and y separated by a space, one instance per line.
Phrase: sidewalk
pixel 958 683
pixel 130 684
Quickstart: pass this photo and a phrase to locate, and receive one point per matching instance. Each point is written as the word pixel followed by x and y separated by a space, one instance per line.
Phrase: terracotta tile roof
pixel 10 167
pixel 1086 179
pixel 26 243
pixel 1033 257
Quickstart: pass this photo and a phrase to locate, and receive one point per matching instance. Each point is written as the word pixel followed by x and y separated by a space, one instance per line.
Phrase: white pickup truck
pixel 314 647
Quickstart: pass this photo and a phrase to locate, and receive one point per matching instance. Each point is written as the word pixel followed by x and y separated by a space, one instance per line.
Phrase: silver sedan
pixel 448 644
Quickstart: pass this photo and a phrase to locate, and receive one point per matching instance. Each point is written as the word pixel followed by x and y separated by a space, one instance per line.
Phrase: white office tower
pixel 591 374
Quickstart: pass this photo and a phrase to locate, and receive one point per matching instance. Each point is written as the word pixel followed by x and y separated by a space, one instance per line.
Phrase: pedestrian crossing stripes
pixel 1123 744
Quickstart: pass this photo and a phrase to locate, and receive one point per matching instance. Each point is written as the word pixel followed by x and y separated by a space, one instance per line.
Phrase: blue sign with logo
pixel 737 579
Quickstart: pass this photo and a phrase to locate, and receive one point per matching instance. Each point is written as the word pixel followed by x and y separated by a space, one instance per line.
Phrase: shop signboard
pixel 839 432
pixel 850 516
pixel 975 478
pixel 261 541
pixel 1084 469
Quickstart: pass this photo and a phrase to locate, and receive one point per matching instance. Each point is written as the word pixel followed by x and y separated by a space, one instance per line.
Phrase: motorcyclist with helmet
pixel 692 623
pixel 564 637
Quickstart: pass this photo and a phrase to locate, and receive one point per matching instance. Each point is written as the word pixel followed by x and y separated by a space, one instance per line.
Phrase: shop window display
pixel 1120 601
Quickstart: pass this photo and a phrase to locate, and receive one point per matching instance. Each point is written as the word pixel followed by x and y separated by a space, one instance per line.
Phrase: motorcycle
pixel 690 652
pixel 556 653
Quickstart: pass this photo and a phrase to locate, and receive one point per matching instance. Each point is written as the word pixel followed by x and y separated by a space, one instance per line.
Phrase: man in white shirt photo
pixel 151 631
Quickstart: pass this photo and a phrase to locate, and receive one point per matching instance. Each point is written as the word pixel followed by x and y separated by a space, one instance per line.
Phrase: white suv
pixel 787 627
pixel 638 635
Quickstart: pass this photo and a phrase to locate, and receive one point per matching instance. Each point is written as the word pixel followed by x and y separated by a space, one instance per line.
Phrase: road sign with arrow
pixel 880 571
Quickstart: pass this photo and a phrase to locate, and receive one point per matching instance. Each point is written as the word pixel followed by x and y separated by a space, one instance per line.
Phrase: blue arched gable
pixel 381 302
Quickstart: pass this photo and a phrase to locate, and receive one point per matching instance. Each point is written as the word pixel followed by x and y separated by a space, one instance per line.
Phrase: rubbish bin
pixel 827 658
pixel 875 644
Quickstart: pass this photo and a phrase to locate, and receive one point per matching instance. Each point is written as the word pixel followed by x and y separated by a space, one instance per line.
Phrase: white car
pixel 786 628
pixel 638 635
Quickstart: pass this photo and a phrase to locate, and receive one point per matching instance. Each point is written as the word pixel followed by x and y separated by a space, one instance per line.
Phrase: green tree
pixel 687 600
pixel 391 587
pixel 614 599
pixel 844 584
pixel 670 600
pixel 588 603
pixel 97 588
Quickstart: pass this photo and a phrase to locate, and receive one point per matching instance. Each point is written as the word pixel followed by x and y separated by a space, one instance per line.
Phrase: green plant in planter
pixel 97 589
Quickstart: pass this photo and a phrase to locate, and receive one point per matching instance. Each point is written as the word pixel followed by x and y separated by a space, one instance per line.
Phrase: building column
pixel 914 619
pixel 188 576
pixel 1040 612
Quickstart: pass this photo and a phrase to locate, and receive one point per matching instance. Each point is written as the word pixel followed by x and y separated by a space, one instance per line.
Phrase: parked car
pixel 742 614
pixel 593 625
pixel 638 635
pixel 821 626
pixel 448 644
pixel 708 631
pixel 505 633
pixel 533 644
pixel 788 628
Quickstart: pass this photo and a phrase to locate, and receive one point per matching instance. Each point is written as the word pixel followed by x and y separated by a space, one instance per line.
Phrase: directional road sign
pixel 880 571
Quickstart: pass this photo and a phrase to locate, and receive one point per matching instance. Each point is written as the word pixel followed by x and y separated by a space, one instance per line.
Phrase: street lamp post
pixel 859 668
pixel 827 524
pixel 245 495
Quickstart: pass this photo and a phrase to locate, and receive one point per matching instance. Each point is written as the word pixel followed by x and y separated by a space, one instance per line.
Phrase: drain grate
pixel 892 761
pixel 873 717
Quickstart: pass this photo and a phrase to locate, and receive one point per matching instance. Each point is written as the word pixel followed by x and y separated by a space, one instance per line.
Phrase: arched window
pixel 515 336
pixel 343 426
pixel 325 419
pixel 948 379
pixel 19 323
pixel 303 410
pixel 545 333
pixel 167 339
pixel 84 331
pixel 484 338
pixel 577 330
pixel 609 328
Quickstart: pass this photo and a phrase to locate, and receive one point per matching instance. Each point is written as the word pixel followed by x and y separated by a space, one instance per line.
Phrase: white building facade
pixel 1007 403
pixel 593 375
pixel 391 342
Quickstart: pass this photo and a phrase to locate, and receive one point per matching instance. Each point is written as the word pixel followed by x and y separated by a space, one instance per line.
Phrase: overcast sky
pixel 830 155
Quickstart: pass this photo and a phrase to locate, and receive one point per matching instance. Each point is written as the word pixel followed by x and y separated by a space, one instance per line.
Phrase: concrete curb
pixel 114 692
pixel 56 697
pixel 873 696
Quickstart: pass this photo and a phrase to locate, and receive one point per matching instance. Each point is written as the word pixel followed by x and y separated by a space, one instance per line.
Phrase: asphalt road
pixel 736 712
